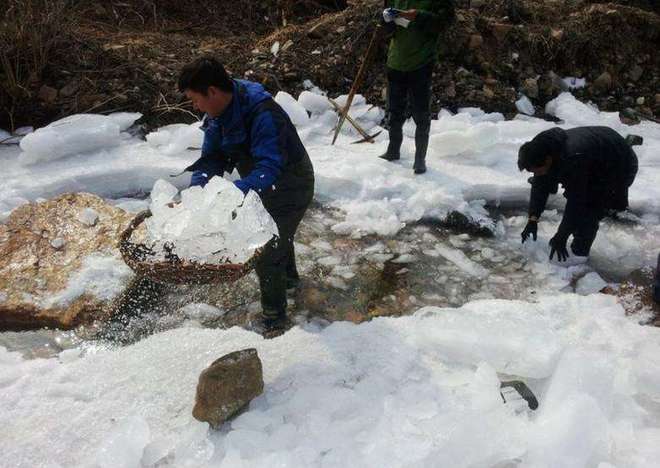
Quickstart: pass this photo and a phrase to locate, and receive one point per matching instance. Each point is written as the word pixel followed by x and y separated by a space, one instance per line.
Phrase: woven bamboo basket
pixel 174 270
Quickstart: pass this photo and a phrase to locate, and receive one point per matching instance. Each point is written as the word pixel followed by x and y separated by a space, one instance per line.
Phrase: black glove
pixel 530 229
pixel 558 244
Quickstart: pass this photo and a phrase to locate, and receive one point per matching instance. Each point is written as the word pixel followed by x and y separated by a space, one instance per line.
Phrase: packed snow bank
pixel 214 224
pixel 79 133
pixel 411 391
pixel 471 160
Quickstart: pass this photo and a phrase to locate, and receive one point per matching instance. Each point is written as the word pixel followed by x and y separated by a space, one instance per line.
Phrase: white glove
pixel 400 21
pixel 389 15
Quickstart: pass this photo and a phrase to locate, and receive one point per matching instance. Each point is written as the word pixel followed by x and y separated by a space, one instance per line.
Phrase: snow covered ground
pixel 472 160
pixel 412 391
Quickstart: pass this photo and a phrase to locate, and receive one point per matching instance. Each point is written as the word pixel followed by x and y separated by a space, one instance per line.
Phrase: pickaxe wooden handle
pixel 366 137
pixel 371 50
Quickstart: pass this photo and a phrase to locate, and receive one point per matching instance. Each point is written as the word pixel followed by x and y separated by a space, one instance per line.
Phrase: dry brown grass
pixel 30 30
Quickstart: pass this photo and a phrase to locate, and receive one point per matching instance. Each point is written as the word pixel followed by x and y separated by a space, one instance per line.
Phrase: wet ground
pixel 342 279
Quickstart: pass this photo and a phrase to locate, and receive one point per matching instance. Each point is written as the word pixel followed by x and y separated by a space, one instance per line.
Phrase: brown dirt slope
pixel 59 57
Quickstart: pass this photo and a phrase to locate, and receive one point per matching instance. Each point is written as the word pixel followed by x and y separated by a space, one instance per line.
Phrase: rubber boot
pixel 421 145
pixel 393 152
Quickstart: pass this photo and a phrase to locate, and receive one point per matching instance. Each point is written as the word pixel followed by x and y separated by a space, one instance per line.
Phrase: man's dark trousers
pixel 415 84
pixel 585 232
pixel 278 262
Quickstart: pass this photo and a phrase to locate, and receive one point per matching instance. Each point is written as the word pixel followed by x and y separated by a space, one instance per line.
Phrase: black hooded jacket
pixel 595 168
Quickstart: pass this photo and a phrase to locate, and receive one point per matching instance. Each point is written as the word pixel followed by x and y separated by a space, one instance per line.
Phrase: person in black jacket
pixel 595 165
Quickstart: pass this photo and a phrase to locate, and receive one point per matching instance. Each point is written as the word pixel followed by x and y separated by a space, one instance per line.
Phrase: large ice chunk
pixel 214 224
pixel 76 134
pixel 293 108
pixel 175 138
pixel 314 103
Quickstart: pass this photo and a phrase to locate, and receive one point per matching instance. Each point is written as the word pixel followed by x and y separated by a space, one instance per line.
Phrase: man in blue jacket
pixel 246 130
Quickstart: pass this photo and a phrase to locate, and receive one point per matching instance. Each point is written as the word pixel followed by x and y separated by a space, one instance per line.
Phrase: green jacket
pixel 417 45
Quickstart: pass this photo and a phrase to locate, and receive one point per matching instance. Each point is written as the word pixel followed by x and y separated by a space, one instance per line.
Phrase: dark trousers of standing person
pixel 414 87
pixel 276 267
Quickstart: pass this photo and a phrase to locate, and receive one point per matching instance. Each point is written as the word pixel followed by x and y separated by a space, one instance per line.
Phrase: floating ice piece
pixel 589 284
pixel 358 100
pixel 76 134
pixel 461 260
pixel 525 106
pixel 124 447
pixel 201 311
pixel 313 102
pixel 175 138
pixel 293 108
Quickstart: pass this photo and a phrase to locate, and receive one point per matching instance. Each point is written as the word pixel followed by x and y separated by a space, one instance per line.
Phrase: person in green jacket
pixel 415 27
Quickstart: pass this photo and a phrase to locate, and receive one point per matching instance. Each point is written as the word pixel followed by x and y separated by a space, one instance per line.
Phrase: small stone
pixel 476 40
pixel 550 84
pixel 69 89
pixel 47 94
pixel 316 31
pixel 640 101
pixel 657 99
pixel 227 386
pixel 291 76
pixel 57 243
pixel 604 82
pixel 88 217
pixel 636 73
pixel 530 88
pixel 557 34
pixel 488 92
pixel 501 30
pixel 450 91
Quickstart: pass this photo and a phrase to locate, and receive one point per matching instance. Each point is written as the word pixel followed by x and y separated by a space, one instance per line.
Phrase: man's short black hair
pixel 535 152
pixel 204 72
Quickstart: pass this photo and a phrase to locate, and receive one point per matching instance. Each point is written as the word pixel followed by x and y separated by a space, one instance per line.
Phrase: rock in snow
pixel 55 271
pixel 227 386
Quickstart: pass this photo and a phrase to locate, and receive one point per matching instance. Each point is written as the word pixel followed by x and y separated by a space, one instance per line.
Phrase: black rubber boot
pixel 272 323
pixel 393 152
pixel 421 145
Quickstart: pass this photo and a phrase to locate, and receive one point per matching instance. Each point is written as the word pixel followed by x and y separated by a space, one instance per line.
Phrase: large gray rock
pixel 227 386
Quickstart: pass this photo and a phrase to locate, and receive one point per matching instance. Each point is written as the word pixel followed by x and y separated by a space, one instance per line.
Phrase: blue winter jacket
pixel 255 136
